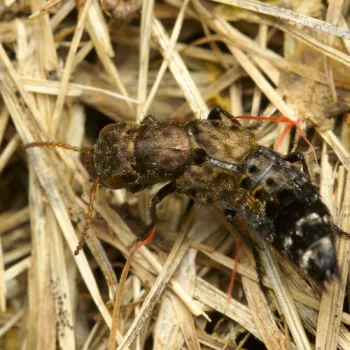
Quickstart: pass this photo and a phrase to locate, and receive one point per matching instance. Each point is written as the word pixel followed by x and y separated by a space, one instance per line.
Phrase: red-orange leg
pixel 234 270
pixel 282 136
pixel 291 123
pixel 145 241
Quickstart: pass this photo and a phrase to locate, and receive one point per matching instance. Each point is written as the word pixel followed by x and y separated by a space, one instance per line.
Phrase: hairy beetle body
pixel 218 162
pixel 276 199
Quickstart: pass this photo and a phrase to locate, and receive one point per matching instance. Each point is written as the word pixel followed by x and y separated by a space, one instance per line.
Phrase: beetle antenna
pixel 88 218
pixel 57 144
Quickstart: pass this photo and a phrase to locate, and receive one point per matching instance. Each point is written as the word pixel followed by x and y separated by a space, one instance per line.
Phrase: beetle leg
pixel 254 126
pixel 136 188
pixel 215 113
pixel 340 231
pixel 229 214
pixel 295 157
pixel 161 194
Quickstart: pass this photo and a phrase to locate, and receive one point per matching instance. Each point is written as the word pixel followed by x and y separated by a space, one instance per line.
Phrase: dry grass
pixel 126 59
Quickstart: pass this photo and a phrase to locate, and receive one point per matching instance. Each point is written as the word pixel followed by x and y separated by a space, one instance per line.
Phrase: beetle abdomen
pixel 295 221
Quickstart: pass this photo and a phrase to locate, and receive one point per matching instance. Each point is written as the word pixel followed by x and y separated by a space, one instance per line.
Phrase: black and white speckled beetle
pixel 218 161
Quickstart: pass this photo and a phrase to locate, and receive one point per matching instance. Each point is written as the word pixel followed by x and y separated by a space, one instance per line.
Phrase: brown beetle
pixel 218 161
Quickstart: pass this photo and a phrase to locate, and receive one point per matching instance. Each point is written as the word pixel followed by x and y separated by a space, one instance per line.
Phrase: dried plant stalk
pixel 74 63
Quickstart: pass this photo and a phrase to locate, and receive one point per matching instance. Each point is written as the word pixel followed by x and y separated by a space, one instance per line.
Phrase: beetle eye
pixel 88 161
pixel 107 128
pixel 114 183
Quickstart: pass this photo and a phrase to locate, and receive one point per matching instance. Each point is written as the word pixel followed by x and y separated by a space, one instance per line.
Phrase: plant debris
pixel 68 69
